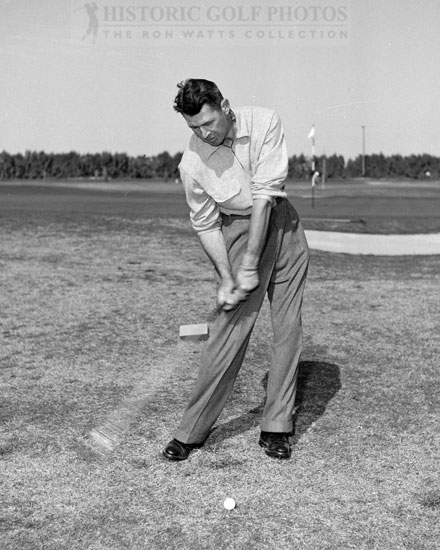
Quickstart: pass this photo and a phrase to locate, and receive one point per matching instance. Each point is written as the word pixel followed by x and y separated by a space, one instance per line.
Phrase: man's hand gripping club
pixel 230 294
pixel 233 291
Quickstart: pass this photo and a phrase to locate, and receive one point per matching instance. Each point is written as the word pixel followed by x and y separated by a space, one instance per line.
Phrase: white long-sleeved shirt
pixel 220 179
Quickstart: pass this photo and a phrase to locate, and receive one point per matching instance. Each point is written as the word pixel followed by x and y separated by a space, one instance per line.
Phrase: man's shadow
pixel 318 383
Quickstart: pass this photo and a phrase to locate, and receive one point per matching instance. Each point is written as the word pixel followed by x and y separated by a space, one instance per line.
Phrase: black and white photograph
pixel 219 275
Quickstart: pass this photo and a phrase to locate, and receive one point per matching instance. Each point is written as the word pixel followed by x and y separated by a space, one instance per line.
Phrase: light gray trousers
pixel 282 271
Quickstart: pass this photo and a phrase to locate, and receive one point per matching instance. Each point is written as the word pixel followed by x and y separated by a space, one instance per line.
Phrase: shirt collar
pixel 242 130
pixel 241 125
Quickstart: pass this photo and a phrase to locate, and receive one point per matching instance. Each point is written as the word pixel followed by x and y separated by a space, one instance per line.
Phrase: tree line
pixel 378 166
pixel 105 165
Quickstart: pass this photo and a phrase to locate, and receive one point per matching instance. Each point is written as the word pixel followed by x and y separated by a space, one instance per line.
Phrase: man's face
pixel 211 124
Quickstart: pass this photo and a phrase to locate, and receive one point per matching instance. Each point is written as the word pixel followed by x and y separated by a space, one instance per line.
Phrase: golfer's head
pixel 204 109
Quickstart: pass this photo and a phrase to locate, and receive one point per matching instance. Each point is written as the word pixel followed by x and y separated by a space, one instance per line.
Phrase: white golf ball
pixel 229 503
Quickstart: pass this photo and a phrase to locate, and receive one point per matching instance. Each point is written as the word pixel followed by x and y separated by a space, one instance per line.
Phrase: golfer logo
pixel 92 29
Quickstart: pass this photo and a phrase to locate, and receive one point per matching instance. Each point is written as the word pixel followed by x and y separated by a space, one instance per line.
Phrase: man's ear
pixel 225 106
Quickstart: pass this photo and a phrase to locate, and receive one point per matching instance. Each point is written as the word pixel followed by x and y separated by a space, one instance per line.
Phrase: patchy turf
pixel 90 309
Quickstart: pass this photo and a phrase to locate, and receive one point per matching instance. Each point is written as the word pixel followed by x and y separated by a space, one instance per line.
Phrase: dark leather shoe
pixel 176 450
pixel 276 445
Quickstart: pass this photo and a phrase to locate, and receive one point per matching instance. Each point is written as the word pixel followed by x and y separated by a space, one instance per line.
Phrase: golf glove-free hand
pixel 232 301
pixel 229 296
pixel 247 278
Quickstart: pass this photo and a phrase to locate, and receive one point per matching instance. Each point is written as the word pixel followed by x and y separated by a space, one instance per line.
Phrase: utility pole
pixel 363 151
pixel 314 173
pixel 323 171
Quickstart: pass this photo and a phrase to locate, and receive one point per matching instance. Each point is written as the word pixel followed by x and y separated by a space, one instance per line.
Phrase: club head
pixel 195 333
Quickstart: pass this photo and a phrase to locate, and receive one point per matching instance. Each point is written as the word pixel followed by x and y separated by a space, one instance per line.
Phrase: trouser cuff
pixel 277 427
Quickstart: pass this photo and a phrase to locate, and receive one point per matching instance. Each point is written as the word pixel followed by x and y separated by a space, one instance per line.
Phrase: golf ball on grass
pixel 229 503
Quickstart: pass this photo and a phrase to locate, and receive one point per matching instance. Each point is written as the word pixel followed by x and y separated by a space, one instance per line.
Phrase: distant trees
pixel 377 166
pixel 105 165
pixel 299 167
pixel 335 166
pixel 395 166
pixel 38 165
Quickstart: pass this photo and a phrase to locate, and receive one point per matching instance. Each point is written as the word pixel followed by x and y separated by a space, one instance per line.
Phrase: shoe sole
pixel 274 454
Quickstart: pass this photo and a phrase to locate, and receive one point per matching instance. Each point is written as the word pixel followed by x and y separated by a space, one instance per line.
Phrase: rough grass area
pixel 90 309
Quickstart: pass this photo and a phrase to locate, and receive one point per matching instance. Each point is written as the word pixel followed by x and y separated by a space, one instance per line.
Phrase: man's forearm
pixel 247 277
pixel 214 245
pixel 258 227
pixel 228 296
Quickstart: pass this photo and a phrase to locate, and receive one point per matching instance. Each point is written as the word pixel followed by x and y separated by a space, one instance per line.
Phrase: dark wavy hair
pixel 194 93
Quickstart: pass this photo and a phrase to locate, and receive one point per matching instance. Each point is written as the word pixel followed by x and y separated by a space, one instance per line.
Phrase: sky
pixel 340 65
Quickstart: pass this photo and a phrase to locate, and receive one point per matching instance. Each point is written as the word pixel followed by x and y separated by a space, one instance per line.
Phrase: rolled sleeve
pixel 272 165
pixel 204 211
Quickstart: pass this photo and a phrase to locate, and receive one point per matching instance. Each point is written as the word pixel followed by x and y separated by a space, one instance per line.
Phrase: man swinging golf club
pixel 233 173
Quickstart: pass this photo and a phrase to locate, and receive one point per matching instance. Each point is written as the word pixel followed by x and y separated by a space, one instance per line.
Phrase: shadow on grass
pixel 318 383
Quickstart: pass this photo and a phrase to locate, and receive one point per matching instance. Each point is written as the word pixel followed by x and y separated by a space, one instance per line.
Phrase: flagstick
pixel 314 175
pixel 313 171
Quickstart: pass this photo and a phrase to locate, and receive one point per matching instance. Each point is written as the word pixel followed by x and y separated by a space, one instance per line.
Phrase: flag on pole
pixel 314 171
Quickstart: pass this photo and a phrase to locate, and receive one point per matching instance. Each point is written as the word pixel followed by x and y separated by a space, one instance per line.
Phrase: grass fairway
pixel 90 310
